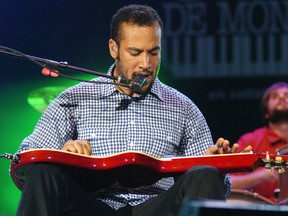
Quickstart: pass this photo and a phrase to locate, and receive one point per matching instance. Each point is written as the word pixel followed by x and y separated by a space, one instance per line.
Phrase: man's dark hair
pixel 141 15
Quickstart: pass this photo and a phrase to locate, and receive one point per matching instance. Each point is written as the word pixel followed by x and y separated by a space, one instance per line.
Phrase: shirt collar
pixel 273 137
pixel 109 89
pixel 156 89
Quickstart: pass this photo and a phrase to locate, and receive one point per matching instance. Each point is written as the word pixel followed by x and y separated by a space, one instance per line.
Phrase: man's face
pixel 138 52
pixel 278 104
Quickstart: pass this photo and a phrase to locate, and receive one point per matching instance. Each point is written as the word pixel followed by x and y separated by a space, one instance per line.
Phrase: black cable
pixel 7 155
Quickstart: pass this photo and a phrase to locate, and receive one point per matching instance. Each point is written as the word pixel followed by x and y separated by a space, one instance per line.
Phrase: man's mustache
pixel 150 72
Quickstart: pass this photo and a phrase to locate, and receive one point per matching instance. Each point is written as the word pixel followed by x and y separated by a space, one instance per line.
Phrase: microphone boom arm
pixel 59 65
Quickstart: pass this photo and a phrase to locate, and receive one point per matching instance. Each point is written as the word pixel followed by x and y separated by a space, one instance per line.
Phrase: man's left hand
pixel 222 146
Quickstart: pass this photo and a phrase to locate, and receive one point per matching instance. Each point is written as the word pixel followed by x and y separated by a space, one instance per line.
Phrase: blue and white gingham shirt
pixel 163 124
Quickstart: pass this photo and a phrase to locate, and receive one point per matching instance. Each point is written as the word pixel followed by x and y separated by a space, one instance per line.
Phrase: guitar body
pixel 131 169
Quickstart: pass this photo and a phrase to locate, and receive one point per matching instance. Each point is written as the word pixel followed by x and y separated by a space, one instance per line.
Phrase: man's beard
pixel 120 70
pixel 279 116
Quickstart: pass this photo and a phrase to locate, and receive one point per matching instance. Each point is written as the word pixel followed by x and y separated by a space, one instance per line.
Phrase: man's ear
pixel 113 48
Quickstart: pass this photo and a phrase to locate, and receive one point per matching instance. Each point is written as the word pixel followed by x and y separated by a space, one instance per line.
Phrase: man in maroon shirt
pixel 268 138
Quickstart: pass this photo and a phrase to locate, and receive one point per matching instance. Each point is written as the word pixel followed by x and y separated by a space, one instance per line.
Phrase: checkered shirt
pixel 164 123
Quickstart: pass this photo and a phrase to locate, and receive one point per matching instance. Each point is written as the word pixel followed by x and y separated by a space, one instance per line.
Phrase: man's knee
pixel 208 182
pixel 43 169
pixel 204 170
pixel 205 175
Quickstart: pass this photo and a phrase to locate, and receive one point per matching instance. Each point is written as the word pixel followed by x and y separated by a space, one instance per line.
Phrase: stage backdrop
pixel 221 54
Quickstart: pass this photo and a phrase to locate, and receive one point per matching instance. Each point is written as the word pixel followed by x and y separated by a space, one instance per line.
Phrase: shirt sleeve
pixel 54 128
pixel 198 138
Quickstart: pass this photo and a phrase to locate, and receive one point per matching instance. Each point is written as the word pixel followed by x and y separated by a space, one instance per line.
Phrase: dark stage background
pixel 222 54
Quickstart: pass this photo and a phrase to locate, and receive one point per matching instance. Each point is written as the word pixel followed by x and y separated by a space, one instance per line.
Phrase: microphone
pixel 137 82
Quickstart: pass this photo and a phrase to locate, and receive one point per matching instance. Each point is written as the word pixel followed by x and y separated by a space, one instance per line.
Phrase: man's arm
pixel 248 181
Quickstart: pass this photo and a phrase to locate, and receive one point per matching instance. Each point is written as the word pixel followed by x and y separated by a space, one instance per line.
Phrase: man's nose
pixel 282 97
pixel 145 62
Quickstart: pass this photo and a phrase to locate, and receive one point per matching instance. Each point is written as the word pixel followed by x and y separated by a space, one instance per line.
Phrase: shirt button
pixel 131 144
pixel 132 122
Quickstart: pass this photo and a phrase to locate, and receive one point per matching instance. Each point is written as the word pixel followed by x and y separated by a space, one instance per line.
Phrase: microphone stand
pixel 59 65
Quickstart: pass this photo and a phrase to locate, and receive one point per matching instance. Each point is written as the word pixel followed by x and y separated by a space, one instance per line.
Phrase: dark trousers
pixel 49 191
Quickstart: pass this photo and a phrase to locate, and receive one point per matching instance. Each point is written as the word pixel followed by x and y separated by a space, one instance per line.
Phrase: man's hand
pixel 222 146
pixel 78 146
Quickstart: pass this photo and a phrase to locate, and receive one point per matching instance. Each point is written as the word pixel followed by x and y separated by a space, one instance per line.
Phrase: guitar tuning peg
pixel 277 193
pixel 278 160
pixel 279 164
pixel 267 161
pixel 267 158
pixel 268 166
pixel 281 170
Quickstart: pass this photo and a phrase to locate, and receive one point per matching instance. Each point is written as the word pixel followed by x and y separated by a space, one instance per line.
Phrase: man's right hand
pixel 78 146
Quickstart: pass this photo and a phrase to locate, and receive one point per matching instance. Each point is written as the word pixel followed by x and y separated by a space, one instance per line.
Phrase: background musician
pixel 102 119
pixel 271 137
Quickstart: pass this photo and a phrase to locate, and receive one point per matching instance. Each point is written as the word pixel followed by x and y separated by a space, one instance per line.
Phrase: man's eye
pixel 154 53
pixel 134 54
